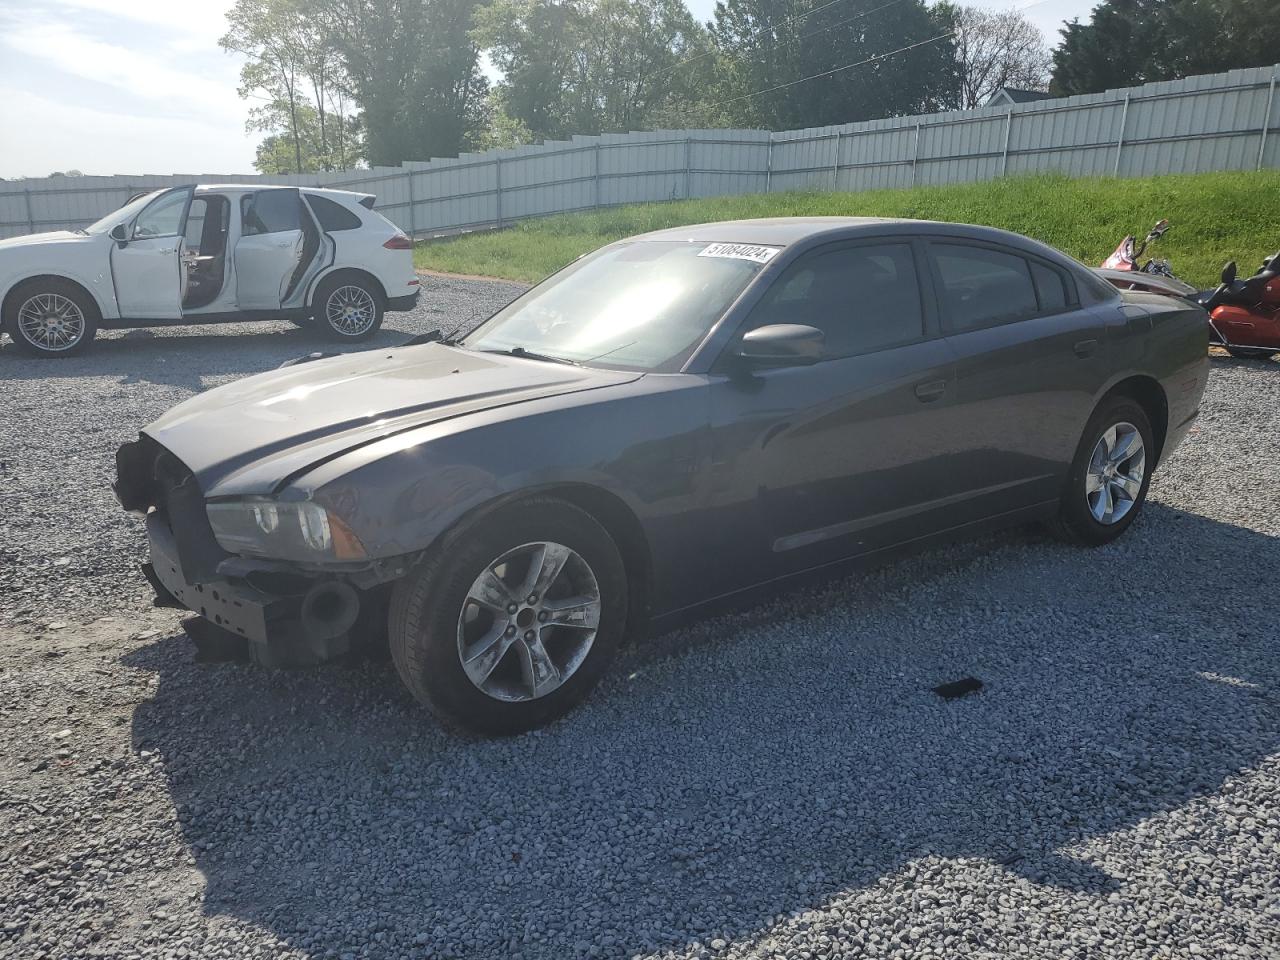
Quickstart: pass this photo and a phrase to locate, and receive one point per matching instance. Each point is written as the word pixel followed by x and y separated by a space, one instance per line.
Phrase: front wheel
pixel 513 619
pixel 1107 484
pixel 49 317
pixel 348 308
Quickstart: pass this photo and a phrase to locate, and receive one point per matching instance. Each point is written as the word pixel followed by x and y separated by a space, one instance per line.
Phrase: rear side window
pixel 863 298
pixel 1051 288
pixel 331 215
pixel 981 287
pixel 272 211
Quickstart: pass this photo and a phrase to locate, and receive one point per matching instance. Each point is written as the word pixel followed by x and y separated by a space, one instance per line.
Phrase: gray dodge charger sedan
pixel 672 422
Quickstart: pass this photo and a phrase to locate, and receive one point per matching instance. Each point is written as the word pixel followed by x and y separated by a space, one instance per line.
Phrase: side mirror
pixel 782 345
pixel 119 234
pixel 1229 273
pixel 1158 230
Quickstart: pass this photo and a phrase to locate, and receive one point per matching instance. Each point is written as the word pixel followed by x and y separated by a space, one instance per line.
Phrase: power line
pixel 860 63
pixel 827 73
pixel 777 26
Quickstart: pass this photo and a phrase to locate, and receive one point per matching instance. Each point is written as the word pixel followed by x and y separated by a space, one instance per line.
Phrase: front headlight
pixel 302 531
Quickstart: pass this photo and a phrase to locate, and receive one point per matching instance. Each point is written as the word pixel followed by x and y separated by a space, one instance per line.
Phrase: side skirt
pixel 760 593
pixel 199 319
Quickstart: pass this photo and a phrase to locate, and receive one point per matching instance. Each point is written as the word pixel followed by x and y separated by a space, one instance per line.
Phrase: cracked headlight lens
pixel 302 531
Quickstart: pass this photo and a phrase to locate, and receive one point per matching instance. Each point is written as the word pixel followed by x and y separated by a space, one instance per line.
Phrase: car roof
pixel 260 187
pixel 772 231
pixel 786 231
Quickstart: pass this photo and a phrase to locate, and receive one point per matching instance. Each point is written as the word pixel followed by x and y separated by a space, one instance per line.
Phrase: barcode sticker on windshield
pixel 740 251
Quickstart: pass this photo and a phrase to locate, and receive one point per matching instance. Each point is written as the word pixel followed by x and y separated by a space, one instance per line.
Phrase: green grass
pixel 1216 217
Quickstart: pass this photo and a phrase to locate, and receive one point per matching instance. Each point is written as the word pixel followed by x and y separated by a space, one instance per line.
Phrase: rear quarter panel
pixel 1171 346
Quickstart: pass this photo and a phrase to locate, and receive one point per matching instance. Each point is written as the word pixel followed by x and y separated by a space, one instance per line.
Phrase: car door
pixel 846 455
pixel 1029 361
pixel 269 248
pixel 146 267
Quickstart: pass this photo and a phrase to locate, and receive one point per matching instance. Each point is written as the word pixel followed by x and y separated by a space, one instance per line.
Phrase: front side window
pixel 162 217
pixel 123 215
pixel 271 211
pixel 863 298
pixel 641 305
pixel 981 287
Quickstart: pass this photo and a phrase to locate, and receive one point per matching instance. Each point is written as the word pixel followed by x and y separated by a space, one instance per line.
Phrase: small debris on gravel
pixel 778 783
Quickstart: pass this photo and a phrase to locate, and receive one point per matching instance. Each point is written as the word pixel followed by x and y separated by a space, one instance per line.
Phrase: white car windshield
pixel 642 305
pixel 124 214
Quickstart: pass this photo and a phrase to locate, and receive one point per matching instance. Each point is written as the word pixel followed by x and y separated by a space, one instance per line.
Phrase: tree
pixel 413 68
pixel 590 66
pixel 1127 42
pixel 335 145
pixel 996 49
pixel 768 48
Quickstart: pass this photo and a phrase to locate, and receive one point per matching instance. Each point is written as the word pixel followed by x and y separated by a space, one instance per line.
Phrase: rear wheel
pixel 49 317
pixel 348 308
pixel 513 619
pixel 1108 480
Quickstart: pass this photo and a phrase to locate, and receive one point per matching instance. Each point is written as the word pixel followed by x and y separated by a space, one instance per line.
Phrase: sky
pixel 141 86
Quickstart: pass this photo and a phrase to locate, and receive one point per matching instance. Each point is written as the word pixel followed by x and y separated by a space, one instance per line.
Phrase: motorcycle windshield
pixel 1122 258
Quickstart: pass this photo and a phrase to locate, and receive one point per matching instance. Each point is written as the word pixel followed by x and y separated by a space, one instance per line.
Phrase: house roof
pixel 1014 95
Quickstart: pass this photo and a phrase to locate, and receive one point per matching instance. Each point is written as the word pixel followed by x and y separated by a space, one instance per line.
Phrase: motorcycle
pixel 1123 270
pixel 1244 315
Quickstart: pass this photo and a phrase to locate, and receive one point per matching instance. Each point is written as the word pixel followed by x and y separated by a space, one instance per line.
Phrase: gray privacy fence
pixel 1223 121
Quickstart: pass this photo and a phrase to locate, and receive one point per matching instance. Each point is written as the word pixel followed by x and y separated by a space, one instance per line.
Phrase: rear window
pixel 272 211
pixel 1051 287
pixel 331 215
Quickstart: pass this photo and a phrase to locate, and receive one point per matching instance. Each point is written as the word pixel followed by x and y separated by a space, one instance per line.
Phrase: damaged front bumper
pixel 285 614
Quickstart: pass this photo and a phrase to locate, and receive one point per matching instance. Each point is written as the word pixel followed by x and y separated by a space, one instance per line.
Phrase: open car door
pixel 270 249
pixel 146 266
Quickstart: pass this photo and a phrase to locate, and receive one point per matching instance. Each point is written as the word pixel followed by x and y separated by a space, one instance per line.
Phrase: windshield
pixel 641 305
pixel 124 214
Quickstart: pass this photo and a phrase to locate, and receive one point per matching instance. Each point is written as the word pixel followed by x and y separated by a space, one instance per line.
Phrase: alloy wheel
pixel 351 310
pixel 528 622
pixel 52 322
pixel 1116 470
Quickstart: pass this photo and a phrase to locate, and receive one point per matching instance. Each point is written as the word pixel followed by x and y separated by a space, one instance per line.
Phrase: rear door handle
pixel 930 391
pixel 1086 348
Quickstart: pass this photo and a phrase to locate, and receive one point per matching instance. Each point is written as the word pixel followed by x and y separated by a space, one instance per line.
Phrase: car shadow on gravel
pixel 754 766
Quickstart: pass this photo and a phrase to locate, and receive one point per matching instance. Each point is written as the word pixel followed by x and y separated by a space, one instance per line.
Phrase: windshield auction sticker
pixel 740 251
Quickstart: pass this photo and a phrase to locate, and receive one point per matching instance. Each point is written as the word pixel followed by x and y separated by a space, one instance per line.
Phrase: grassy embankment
pixel 1216 217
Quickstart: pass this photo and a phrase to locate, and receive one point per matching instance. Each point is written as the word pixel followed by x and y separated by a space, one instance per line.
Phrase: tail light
pixel 399 242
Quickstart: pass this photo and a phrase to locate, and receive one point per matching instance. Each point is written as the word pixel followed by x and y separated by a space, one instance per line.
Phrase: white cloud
pixel 132 72
pixel 103 142
pixel 204 19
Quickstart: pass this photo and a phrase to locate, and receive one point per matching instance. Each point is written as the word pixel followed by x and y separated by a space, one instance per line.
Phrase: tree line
pixel 337 83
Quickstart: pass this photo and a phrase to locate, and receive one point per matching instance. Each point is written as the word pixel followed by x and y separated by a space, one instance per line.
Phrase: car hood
pixel 32 239
pixel 252 436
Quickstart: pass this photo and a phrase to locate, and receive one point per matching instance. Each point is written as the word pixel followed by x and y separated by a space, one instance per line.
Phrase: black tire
pixel 88 317
pixel 1075 522
pixel 345 286
pixel 427 605
pixel 1251 353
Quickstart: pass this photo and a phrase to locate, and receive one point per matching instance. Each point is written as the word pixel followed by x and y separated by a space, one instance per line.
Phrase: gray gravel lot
pixel 779 783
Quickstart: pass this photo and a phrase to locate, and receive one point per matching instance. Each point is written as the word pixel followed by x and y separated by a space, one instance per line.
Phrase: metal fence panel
pixel 1225 121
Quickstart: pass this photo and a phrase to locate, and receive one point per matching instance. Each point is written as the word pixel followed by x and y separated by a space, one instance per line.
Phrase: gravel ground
pixel 779 783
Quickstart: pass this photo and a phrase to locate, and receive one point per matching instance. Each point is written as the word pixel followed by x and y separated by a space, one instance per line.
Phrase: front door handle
pixel 1086 348
pixel 931 391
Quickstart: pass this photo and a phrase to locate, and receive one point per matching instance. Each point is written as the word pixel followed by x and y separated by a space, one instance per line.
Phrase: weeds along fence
pixel 1224 121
